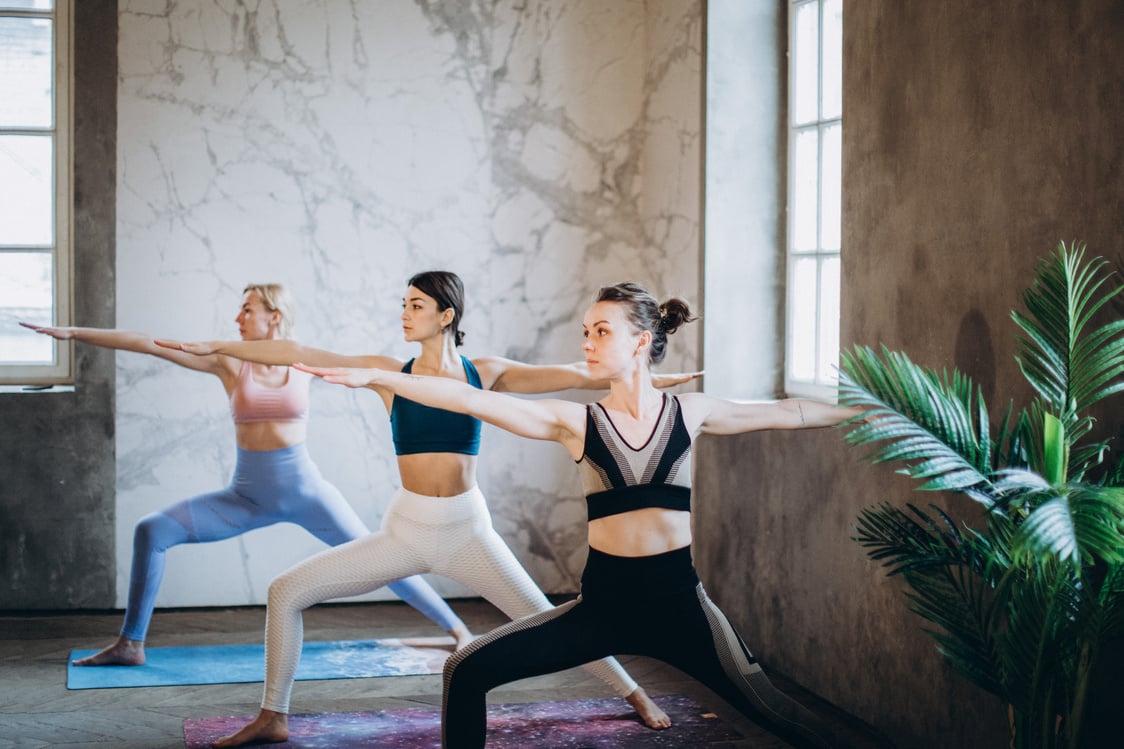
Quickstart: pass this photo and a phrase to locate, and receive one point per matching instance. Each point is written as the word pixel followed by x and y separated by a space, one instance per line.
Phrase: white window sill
pixel 35 389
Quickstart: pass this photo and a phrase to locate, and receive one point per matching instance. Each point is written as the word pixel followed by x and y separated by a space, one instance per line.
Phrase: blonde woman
pixel 274 478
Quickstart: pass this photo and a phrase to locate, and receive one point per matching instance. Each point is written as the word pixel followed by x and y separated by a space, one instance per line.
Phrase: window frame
pixel 61 371
pixel 823 384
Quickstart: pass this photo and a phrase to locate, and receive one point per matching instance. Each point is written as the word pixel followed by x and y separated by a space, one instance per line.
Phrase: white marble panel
pixel 537 148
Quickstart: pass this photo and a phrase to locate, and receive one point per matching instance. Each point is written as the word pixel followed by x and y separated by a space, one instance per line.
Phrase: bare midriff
pixel 270 435
pixel 641 533
pixel 437 474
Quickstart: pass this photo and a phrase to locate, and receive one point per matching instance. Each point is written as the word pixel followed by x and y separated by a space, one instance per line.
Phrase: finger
pixel 164 343
pixel 36 328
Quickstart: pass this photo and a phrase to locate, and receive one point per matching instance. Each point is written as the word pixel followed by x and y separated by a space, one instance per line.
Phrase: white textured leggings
pixel 451 536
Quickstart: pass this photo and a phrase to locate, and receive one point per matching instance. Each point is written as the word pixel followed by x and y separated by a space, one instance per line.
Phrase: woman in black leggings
pixel 640 594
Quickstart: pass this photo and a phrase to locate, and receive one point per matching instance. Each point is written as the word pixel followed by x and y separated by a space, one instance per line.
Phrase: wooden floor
pixel 36 709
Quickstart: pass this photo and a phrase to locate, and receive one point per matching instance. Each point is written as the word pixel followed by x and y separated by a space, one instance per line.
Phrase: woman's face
pixel 611 345
pixel 420 317
pixel 255 322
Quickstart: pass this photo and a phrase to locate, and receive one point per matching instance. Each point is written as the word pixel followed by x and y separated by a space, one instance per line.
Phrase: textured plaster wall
pixel 57 499
pixel 976 136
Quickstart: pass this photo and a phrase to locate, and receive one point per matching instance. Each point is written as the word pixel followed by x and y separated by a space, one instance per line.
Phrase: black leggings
pixel 652 606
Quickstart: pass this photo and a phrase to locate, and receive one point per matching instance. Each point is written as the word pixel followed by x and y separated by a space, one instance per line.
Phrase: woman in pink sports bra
pixel 274 479
pixel 438 521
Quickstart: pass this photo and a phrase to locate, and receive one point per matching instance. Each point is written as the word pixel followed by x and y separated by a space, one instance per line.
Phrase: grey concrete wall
pixel 976 136
pixel 56 449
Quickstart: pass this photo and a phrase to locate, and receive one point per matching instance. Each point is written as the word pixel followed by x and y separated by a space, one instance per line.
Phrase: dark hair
pixel 645 313
pixel 448 290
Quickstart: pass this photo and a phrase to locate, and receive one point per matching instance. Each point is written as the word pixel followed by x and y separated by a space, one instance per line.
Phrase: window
pixel 35 202
pixel 814 195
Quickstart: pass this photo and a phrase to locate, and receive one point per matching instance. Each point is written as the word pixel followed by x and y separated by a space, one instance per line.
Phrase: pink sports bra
pixel 251 401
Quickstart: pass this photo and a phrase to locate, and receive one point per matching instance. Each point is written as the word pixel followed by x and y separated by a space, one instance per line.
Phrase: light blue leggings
pixel 270 486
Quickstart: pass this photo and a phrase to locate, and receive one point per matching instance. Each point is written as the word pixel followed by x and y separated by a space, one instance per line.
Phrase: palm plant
pixel 1028 605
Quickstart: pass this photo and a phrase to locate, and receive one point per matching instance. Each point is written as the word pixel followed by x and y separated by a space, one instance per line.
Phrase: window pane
pixel 26 4
pixel 25 294
pixel 806 59
pixel 25 72
pixel 26 190
pixel 805 157
pixel 829 321
pixel 831 186
pixel 832 59
pixel 802 316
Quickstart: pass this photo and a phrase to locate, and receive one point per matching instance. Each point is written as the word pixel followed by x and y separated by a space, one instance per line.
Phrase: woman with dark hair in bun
pixel 639 592
pixel 438 521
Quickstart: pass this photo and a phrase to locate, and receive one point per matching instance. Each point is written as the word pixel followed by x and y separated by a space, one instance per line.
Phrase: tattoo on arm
pixel 800 408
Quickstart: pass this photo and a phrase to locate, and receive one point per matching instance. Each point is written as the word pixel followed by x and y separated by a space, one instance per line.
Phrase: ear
pixel 275 317
pixel 644 342
pixel 447 317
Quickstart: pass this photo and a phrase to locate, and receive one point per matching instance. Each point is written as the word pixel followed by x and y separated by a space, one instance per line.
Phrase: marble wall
pixel 537 148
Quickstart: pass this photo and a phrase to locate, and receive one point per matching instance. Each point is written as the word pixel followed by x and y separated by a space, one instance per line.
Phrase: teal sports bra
pixel 423 429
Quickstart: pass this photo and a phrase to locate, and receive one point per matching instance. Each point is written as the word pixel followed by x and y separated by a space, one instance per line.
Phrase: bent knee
pixel 475 669
pixel 288 591
pixel 281 590
pixel 157 531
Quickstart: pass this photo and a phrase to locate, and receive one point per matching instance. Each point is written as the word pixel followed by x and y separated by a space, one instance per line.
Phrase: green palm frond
pixel 906 544
pixel 956 600
pixel 1112 602
pixel 937 426
pixel 949 586
pixel 1070 370
pixel 1080 524
pixel 1038 603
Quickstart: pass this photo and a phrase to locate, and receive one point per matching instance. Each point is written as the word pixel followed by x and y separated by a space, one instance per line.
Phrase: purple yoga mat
pixel 603 723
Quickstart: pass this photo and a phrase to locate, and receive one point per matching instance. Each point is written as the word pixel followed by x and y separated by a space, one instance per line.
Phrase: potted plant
pixel 1027 603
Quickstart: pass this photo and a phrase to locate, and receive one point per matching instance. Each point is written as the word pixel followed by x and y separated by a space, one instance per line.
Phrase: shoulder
pixel 229 368
pixel 695 408
pixel 489 363
pixel 489 368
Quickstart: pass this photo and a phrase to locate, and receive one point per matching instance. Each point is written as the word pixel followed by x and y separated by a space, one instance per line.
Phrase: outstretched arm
pixel 718 416
pixel 554 420
pixel 507 375
pixel 127 340
pixel 279 352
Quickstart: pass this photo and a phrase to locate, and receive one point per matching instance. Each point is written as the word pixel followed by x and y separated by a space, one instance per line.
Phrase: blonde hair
pixel 276 298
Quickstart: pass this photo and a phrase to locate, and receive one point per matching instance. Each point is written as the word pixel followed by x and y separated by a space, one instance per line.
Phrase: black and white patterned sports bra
pixel 619 478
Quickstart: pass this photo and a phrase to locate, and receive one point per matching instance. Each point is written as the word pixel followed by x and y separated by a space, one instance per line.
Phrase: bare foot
pixel 268 727
pixel 650 712
pixel 462 635
pixel 123 652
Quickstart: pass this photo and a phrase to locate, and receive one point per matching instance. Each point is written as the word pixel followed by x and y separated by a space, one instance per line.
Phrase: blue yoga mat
pixel 234 664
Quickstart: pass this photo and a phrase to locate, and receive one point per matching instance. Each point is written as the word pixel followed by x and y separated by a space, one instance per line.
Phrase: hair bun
pixel 673 314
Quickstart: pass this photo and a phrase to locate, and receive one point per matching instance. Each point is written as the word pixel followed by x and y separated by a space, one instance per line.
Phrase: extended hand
pixel 349 376
pixel 674 378
pixel 199 348
pixel 62 334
